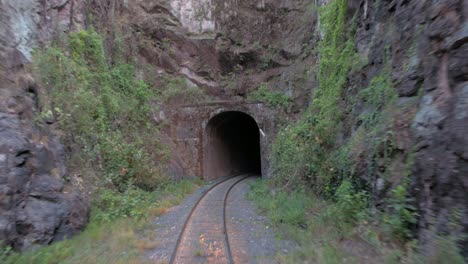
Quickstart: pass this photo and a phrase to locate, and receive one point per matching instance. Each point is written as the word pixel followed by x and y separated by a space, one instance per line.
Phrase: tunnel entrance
pixel 231 146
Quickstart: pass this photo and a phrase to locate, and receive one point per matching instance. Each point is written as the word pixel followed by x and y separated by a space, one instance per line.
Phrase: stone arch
pixel 231 145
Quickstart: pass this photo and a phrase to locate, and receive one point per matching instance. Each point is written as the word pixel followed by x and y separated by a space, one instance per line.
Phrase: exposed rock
pixel 427 45
pixel 36 205
pixel 459 38
pixel 458 64
pixel 196 16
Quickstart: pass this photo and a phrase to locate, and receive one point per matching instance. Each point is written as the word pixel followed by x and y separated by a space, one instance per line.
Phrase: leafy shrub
pixel 112 205
pixel 446 251
pixel 105 110
pixel 290 154
pixel 263 94
pixel 377 96
pixel 136 203
pixel 401 215
pixel 351 203
pixel 5 251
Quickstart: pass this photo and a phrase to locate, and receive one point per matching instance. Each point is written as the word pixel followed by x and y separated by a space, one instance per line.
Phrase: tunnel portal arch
pixel 231 145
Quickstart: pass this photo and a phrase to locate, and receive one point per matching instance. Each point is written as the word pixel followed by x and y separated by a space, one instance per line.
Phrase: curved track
pixel 204 236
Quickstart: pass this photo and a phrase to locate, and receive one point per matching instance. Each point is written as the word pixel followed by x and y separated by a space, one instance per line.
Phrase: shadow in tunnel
pixel 232 145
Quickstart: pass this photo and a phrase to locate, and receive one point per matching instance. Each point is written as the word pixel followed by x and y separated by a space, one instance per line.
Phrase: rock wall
pixel 37 204
pixel 195 16
pixel 426 44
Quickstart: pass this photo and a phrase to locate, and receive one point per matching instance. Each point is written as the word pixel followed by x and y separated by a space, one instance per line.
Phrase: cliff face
pixel 229 49
pixel 427 44
pixel 38 206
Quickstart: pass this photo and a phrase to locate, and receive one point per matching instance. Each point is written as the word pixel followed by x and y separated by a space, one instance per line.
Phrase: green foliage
pixel 350 202
pixel 308 152
pixel 105 110
pixel 336 57
pixel 178 89
pixel 319 227
pixel 313 136
pixel 401 215
pixel 5 251
pixel 376 137
pixel 339 231
pixel 44 116
pixel 281 207
pixel 114 234
pixel 377 97
pixel 86 49
pixel 112 205
pixel 134 202
pixel 275 99
pixel 379 100
pixel 302 215
pixel 446 251
pixel 289 155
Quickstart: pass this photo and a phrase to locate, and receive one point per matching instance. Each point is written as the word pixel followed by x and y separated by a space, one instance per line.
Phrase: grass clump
pixel 316 225
pixel 339 231
pixel 281 207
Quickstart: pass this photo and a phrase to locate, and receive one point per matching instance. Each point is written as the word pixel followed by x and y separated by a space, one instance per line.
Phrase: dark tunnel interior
pixel 232 145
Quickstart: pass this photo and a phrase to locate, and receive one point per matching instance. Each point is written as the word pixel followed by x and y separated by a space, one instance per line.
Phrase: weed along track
pixel 204 238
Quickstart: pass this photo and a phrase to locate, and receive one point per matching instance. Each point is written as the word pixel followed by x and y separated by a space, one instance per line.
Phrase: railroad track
pixel 204 237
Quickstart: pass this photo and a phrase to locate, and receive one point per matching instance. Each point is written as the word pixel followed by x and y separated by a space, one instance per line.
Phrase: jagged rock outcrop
pixel 426 46
pixel 218 45
pixel 37 204
pixel 36 207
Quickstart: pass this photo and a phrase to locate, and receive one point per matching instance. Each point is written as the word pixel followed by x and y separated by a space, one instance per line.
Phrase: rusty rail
pixel 187 221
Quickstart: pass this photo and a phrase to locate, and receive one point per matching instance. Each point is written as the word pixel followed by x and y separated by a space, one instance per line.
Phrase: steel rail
pixel 226 236
pixel 187 220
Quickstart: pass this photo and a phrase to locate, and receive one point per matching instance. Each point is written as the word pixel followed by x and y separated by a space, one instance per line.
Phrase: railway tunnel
pixel 231 145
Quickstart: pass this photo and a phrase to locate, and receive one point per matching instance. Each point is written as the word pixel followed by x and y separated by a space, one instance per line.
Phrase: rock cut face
pixel 195 15
pixel 37 204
